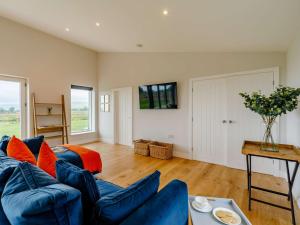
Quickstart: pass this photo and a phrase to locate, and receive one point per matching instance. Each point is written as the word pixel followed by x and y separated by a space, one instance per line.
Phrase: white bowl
pixel 234 214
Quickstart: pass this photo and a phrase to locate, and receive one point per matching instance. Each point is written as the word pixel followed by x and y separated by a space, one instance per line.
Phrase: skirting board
pixel 180 154
pixel 84 141
pixel 106 140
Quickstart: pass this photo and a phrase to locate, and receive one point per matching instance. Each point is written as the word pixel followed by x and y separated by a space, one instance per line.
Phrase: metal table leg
pixel 249 182
pixel 294 176
pixel 290 183
pixel 247 163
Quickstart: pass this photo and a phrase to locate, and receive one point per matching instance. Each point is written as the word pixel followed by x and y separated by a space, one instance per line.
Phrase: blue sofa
pixel 30 196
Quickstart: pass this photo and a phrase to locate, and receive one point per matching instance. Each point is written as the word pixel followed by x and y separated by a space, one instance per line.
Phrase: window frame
pixel 105 103
pixel 91 108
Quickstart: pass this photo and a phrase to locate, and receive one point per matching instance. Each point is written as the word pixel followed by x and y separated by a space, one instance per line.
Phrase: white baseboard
pixel 84 141
pixel 180 154
pixel 106 140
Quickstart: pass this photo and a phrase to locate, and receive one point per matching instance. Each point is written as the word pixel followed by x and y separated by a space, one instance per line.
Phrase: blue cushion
pixel 82 180
pixel 31 196
pixel 7 166
pixel 4 142
pixel 168 206
pixel 106 188
pixel 2 153
pixel 34 144
pixel 115 207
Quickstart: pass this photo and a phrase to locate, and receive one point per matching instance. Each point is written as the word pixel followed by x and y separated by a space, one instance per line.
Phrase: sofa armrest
pixel 56 204
pixel 169 206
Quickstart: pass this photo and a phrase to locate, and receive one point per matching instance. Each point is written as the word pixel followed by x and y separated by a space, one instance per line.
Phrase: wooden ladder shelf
pixel 59 128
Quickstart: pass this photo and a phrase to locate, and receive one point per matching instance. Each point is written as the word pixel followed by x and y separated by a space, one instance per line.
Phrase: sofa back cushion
pixel 82 180
pixel 7 166
pixel 78 178
pixel 34 143
pixel 4 142
pixel 31 196
pixel 18 150
pixel 115 207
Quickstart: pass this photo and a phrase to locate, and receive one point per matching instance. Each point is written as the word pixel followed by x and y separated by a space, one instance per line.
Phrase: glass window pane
pixel 80 110
pixel 102 99
pixel 102 109
pixel 106 108
pixel 10 108
pixel 106 98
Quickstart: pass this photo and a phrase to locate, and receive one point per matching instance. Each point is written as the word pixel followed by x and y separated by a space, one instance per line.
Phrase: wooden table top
pixel 286 152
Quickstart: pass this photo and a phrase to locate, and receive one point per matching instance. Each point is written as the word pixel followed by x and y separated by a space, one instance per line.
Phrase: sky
pixel 9 94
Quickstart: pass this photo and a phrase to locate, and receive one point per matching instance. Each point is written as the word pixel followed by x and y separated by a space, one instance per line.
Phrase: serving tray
pixel 199 218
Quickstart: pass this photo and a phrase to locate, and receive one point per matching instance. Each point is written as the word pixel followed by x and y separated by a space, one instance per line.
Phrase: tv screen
pixel 158 96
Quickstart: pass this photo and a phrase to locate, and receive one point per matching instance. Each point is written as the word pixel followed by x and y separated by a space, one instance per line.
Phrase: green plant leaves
pixel 281 101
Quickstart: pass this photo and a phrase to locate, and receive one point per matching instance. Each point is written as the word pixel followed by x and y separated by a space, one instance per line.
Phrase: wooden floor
pixel 123 167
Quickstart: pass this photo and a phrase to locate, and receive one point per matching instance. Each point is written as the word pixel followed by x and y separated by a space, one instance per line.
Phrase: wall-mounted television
pixel 158 96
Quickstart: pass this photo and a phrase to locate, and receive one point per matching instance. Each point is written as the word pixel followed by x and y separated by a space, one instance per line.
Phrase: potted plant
pixel 281 101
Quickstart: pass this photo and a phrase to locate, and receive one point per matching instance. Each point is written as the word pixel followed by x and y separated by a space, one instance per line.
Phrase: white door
pixel 243 124
pixel 209 111
pixel 123 116
pixel 221 122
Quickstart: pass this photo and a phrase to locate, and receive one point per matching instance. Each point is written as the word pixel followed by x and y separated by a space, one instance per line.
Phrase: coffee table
pixel 199 218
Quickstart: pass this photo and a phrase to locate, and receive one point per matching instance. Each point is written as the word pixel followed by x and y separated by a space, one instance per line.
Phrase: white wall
pixel 293 118
pixel 132 69
pixel 50 64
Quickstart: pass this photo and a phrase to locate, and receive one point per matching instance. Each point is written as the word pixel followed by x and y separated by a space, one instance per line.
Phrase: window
pixel 12 106
pixel 81 109
pixel 104 103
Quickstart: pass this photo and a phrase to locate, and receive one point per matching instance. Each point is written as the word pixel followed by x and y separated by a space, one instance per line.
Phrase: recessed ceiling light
pixel 139 45
pixel 98 24
pixel 67 29
pixel 165 12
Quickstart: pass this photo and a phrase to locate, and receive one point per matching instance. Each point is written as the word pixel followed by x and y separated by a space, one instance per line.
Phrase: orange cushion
pixel 18 149
pixel 47 159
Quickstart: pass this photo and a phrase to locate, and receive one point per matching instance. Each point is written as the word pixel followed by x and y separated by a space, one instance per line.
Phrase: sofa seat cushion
pixel 31 196
pixel 115 207
pixel 106 188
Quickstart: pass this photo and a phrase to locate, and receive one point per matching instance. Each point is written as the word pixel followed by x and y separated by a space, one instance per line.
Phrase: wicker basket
pixel 161 150
pixel 141 147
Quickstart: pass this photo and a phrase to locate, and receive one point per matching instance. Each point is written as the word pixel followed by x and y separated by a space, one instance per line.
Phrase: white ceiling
pixel 190 26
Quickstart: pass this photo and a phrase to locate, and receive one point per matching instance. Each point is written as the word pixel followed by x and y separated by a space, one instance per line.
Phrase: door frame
pixel 25 120
pixel 114 113
pixel 275 71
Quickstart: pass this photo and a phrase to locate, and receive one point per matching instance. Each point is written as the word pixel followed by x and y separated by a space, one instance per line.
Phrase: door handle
pixel 230 121
pixel 224 121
